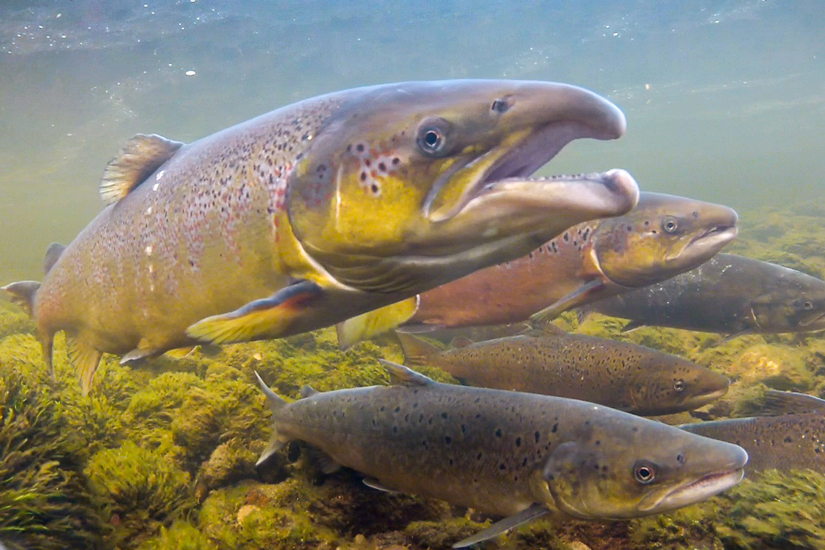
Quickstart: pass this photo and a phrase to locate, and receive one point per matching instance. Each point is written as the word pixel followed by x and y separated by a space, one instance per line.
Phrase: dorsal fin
pixel 136 161
pixel 787 402
pixel 52 254
pixel 461 342
pixel 399 374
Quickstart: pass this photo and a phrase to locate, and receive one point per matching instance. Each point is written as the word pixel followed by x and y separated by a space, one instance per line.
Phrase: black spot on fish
pixel 502 466
pixel 555 428
pixel 518 442
pixel 788 439
pixel 499 433
pixel 448 439
pixel 398 409
pixel 537 436
pixel 478 456
pixel 395 429
pixel 444 415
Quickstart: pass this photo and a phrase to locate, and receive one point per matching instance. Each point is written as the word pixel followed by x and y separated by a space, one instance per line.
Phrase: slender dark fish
pixel 661 237
pixel 316 212
pixel 788 441
pixel 621 375
pixel 729 294
pixel 513 454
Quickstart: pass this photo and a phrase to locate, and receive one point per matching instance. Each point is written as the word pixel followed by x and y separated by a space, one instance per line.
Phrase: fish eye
pixel 431 138
pixel 670 225
pixel 679 385
pixel 644 472
pixel 808 305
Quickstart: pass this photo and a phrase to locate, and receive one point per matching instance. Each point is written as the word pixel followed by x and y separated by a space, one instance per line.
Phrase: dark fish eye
pixel 679 385
pixel 808 305
pixel 431 138
pixel 501 104
pixel 644 472
pixel 670 225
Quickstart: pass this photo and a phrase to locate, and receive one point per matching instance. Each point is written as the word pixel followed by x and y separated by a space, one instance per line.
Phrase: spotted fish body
pixel 316 212
pixel 621 375
pixel 729 294
pixel 793 441
pixel 662 236
pixel 504 452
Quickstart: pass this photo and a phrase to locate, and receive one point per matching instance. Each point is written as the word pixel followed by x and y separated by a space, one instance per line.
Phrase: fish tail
pixel 275 404
pixel 23 294
pixel 417 351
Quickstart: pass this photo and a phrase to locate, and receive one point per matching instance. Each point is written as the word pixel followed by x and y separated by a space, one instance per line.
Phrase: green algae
pixel 140 489
pixel 774 510
pixel 44 501
pixel 181 535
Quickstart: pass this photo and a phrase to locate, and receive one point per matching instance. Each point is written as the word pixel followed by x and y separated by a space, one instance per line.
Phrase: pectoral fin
pixel 375 322
pixel 375 484
pixel 85 359
pixel 525 516
pixel 580 296
pixel 265 318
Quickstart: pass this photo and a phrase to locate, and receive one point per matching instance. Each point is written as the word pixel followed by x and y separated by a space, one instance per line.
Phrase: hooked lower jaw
pixel 701 489
pixel 708 243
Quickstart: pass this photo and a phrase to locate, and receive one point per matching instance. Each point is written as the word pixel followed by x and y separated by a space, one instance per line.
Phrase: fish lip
pixel 609 193
pixel 696 490
pixel 527 156
pixel 813 320
pixel 709 241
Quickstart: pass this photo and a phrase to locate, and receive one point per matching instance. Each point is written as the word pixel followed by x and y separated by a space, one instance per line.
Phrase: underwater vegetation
pixel 163 455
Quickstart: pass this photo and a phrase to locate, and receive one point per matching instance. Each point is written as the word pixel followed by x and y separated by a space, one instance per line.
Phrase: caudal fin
pixel 275 404
pixel 23 294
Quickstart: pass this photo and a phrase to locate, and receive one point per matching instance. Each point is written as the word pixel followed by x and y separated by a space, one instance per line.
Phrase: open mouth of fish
pixel 503 178
pixel 814 322
pixel 700 489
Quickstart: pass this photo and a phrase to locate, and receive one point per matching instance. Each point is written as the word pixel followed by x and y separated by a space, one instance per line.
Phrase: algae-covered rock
pixel 777 510
pixel 141 489
pixel 777 366
pixel 182 535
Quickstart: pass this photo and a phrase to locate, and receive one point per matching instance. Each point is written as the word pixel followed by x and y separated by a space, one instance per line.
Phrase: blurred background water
pixel 725 98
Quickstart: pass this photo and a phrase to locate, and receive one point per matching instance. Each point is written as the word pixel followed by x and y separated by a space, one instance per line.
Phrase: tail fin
pixel 23 293
pixel 275 403
pixel 375 322
pixel 417 351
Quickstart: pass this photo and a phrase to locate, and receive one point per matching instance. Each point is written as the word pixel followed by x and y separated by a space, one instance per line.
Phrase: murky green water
pixel 725 102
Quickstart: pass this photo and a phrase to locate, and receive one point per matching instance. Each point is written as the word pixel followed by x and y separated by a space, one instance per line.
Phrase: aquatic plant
pixel 44 502
pixel 779 510
pixel 141 490
pixel 181 535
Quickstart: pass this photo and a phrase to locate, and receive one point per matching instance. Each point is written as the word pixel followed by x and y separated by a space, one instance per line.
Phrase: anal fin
pixel 139 354
pixel 527 515
pixel 265 318
pixel 85 359
pixel 375 322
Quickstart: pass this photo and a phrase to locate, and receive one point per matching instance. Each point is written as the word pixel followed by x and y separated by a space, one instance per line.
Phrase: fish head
pixel 410 185
pixel 624 467
pixel 674 385
pixel 662 236
pixel 794 303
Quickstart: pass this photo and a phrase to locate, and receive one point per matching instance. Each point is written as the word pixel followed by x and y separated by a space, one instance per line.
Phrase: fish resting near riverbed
pixel 317 212
pixel 730 295
pixel 662 236
pixel 620 375
pixel 513 454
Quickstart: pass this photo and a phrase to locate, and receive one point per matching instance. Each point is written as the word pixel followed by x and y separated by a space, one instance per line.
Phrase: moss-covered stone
pixel 181 535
